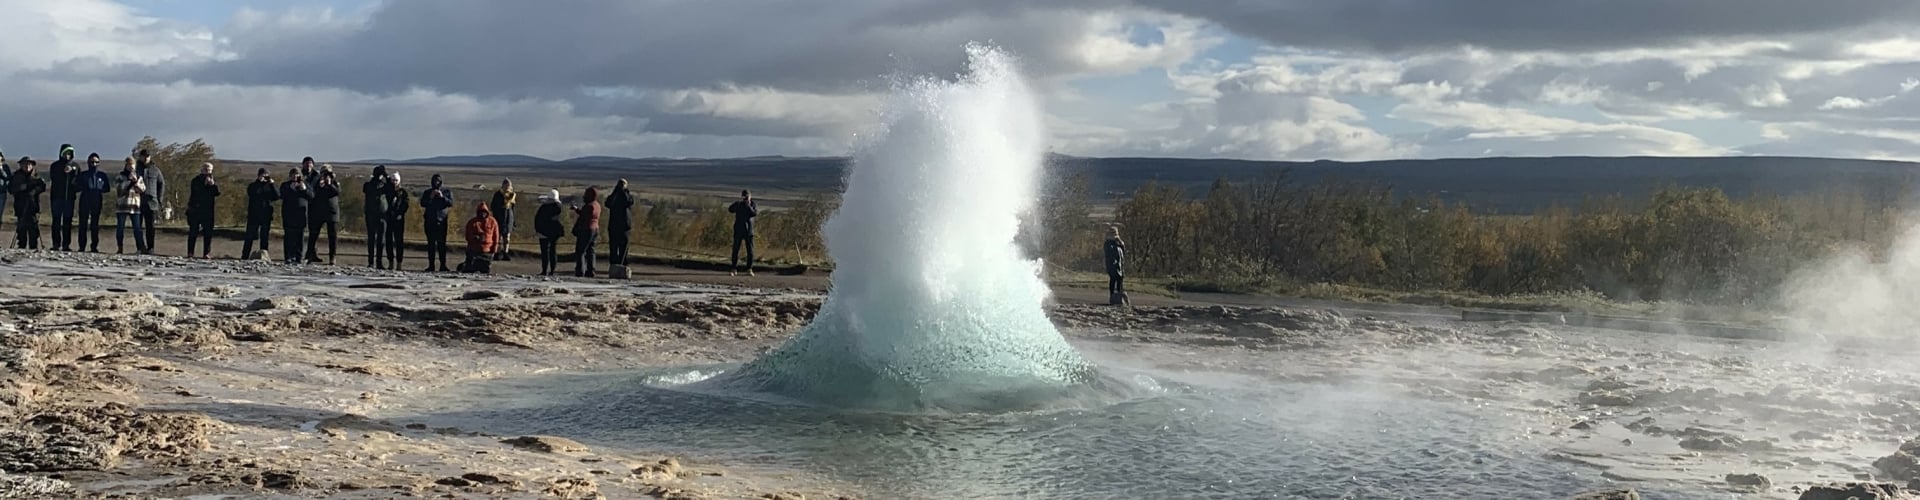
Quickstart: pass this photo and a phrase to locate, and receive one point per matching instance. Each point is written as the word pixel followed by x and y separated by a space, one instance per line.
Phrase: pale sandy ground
pixel 141 377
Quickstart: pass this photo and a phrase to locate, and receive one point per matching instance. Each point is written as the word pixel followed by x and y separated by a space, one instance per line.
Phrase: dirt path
pixel 352 253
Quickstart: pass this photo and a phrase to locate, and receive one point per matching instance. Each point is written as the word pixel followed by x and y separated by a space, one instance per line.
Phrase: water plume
pixel 933 305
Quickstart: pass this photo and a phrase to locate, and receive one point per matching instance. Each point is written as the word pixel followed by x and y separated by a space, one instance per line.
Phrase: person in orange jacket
pixel 483 239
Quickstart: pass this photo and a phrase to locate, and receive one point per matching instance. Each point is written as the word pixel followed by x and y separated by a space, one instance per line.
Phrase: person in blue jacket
pixel 94 186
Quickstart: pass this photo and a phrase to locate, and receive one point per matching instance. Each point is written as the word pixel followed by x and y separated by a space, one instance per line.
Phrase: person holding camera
pixel 436 210
pixel 296 198
pixel 325 212
pixel 201 193
pixel 261 195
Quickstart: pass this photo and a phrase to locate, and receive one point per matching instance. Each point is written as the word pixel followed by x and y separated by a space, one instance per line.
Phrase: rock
pixel 1626 494
pixel 1607 398
pixel 548 444
pixel 1583 425
pixel 573 487
pixel 620 273
pixel 1900 466
pixel 457 482
pixel 284 303
pixel 277 480
pixel 481 295
pixel 660 471
pixel 18 486
pixel 1753 481
pixel 1853 491
pixel 483 478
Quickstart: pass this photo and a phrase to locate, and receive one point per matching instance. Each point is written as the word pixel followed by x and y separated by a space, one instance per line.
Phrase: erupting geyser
pixel 933 306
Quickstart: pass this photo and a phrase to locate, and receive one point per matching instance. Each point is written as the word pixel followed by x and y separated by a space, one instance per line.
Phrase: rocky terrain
pixel 135 377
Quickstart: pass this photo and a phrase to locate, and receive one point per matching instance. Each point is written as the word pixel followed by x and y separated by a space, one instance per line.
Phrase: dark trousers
pixel 200 230
pixel 740 239
pixel 436 243
pixel 62 223
pixel 549 256
pixel 376 242
pixel 27 230
pixel 313 240
pixel 396 243
pixel 617 247
pixel 295 236
pixel 583 254
pixel 256 230
pixel 90 225
pixel 120 233
pixel 150 215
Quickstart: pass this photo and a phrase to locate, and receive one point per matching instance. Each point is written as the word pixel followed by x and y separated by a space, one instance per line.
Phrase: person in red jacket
pixel 586 229
pixel 483 239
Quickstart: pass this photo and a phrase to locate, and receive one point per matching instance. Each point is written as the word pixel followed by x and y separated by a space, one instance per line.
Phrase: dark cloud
pixel 1560 25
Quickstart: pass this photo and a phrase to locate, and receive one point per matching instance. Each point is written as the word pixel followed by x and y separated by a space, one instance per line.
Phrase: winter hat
pixel 552 196
pixel 66 149
pixel 27 160
pixel 93 156
pixel 263 171
pixel 436 179
pixel 380 171
pixel 395 176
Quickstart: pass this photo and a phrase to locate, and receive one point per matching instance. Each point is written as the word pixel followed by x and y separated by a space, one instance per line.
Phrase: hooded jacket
pixel 376 191
pixel 61 181
pixel 546 220
pixel 398 202
pixel 502 206
pixel 200 197
pixel 436 209
pixel 586 219
pixel 326 203
pixel 6 180
pixel 261 194
pixel 620 210
pixel 743 214
pixel 296 198
pixel 483 233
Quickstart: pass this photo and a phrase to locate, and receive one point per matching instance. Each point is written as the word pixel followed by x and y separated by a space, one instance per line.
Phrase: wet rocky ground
pixel 133 377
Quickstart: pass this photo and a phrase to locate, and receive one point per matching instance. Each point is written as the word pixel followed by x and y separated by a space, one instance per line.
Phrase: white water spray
pixel 933 304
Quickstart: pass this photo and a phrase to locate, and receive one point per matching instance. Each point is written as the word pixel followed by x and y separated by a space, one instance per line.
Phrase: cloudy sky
pixel 1257 79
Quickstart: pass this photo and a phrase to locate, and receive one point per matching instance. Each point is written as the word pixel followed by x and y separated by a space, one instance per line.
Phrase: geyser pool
pixel 933 305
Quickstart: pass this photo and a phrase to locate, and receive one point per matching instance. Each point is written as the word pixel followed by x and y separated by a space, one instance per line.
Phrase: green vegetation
pixel 1683 245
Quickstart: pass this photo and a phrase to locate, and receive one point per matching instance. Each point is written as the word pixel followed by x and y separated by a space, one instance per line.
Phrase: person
pixel 261 195
pixel 307 172
pixel 325 212
pixel 127 192
pixel 397 204
pixel 483 239
pixel 743 213
pixel 150 201
pixel 1116 253
pixel 586 228
pixel 64 191
pixel 436 206
pixel 201 193
pixel 619 222
pixel 546 224
pixel 94 186
pixel 296 198
pixel 27 188
pixel 502 207
pixel 6 184
pixel 376 191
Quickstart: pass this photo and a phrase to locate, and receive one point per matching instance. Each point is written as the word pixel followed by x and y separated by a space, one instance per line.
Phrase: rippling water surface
pixel 1211 439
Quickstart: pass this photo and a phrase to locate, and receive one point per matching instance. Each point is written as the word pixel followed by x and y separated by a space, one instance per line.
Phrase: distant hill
pixel 469 160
